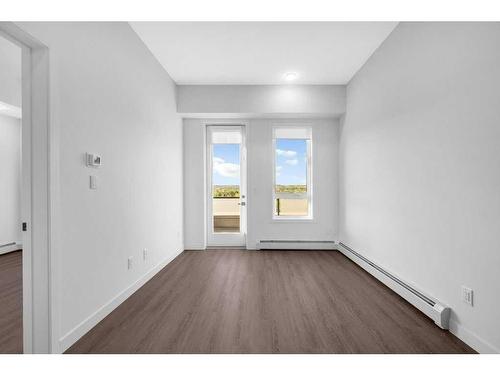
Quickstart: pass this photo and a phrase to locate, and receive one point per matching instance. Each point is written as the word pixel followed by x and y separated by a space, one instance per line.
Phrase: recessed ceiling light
pixel 291 76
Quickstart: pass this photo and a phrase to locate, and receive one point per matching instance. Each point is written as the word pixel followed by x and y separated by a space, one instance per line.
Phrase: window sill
pixel 292 219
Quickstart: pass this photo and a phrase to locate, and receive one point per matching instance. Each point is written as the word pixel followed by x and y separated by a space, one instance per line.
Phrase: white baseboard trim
pixel 462 333
pixel 195 248
pixel 471 339
pixel 295 245
pixel 81 329
pixel 86 325
pixel 431 307
pixel 10 248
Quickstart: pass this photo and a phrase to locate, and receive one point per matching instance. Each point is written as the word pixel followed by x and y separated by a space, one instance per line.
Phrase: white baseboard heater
pixel 295 245
pixel 9 247
pixel 429 306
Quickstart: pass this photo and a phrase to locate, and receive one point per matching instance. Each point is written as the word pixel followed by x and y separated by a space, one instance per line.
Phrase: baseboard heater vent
pixel 9 247
pixel 295 244
pixel 430 307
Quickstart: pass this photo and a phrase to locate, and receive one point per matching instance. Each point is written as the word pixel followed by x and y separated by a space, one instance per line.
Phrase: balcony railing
pixel 226 211
pixel 291 207
pixel 228 207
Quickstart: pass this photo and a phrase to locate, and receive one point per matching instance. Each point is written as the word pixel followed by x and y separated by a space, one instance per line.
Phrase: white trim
pixel 87 324
pixel 292 219
pixel 226 239
pixel 197 248
pixel 439 313
pixel 464 334
pixel 471 339
pixel 296 245
pixel 11 248
pixel 37 206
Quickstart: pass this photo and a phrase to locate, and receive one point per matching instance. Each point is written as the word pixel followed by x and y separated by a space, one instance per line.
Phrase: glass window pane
pixel 291 177
pixel 291 165
pixel 291 207
pixel 226 187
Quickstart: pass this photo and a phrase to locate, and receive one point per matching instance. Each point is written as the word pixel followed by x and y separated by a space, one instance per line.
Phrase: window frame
pixel 309 172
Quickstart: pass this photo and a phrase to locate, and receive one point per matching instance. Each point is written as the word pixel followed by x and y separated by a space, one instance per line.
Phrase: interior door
pixel 226 185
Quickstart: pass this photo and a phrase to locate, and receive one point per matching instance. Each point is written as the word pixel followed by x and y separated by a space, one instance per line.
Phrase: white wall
pixel 264 100
pixel 194 182
pixel 10 180
pixel 10 73
pixel 260 180
pixel 420 164
pixel 110 96
pixel 261 226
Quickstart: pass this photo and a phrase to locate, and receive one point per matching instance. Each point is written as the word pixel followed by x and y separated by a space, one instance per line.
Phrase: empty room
pixel 236 187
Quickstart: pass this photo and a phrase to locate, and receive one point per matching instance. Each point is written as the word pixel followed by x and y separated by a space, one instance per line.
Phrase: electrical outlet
pixel 467 295
pixel 145 254
pixel 130 262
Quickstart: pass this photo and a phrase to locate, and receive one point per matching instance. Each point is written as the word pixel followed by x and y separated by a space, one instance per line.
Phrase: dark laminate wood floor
pixel 11 303
pixel 230 301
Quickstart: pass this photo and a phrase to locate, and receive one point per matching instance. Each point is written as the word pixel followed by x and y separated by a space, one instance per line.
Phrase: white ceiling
pixel 262 52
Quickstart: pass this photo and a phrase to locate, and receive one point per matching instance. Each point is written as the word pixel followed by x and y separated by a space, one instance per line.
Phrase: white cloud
pixel 292 161
pixel 286 153
pixel 225 169
pixel 278 170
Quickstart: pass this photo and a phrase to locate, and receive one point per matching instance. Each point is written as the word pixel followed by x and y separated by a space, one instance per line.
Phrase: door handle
pixel 242 204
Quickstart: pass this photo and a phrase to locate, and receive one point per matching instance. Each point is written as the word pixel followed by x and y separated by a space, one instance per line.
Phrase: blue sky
pixel 226 164
pixel 291 165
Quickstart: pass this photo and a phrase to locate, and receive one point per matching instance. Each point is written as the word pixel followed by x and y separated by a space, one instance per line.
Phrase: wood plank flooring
pixel 230 301
pixel 11 303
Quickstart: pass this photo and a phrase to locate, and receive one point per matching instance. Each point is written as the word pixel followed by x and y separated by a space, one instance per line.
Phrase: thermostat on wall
pixel 93 160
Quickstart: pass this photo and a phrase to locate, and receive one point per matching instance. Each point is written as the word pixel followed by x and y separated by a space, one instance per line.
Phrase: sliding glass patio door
pixel 226 185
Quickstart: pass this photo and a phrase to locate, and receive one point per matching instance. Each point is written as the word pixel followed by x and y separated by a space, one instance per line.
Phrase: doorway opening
pixel 11 239
pixel 37 216
pixel 226 185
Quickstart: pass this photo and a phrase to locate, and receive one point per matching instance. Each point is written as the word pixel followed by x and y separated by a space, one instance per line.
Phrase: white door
pixel 226 185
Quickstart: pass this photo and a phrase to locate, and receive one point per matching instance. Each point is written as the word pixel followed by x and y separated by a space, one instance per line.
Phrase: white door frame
pixel 227 239
pixel 37 185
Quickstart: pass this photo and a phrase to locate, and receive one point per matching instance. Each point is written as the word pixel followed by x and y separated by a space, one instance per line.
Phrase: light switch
pixel 93 182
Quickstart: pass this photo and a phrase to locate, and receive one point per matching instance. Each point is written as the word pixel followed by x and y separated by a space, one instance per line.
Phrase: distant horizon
pixel 229 185
pixel 290 160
